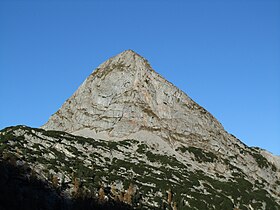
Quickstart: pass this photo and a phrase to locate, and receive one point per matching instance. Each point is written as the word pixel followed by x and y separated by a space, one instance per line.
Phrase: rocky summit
pixel 129 136
pixel 123 96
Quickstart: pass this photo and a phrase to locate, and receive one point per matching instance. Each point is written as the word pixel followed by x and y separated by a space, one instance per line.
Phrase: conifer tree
pixel 121 196
pixel 129 193
pixel 169 196
pixel 55 181
pixel 174 206
pixel 114 191
pixel 76 185
pixel 101 194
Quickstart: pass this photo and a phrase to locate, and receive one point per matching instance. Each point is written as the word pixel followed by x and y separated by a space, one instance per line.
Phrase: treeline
pixel 21 189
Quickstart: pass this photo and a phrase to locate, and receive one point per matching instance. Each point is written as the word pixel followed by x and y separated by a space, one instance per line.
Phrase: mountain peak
pixel 124 96
pixel 128 54
pixel 127 58
pixel 129 51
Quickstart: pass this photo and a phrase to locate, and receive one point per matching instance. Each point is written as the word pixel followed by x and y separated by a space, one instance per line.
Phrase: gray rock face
pixel 125 98
pixel 124 95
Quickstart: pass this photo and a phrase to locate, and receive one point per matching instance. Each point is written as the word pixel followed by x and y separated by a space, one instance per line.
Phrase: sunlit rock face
pixel 124 98
pixel 125 95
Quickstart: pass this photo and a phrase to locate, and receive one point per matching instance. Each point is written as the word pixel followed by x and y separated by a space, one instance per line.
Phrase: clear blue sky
pixel 224 54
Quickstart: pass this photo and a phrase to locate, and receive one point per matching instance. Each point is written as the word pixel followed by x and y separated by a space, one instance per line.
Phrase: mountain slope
pixel 150 168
